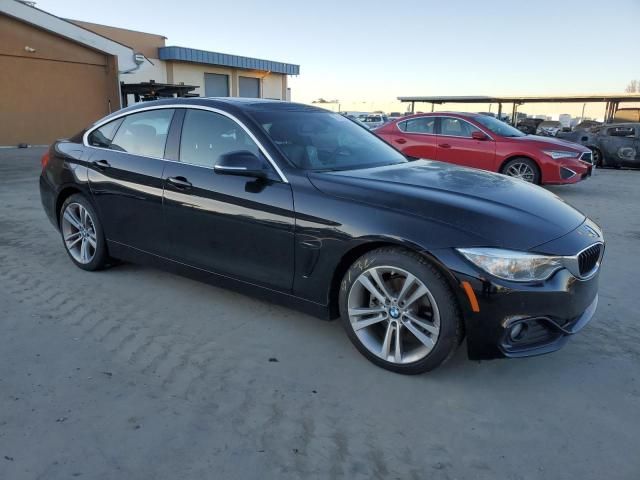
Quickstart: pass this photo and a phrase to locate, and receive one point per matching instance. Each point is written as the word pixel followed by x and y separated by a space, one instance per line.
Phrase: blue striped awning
pixel 215 58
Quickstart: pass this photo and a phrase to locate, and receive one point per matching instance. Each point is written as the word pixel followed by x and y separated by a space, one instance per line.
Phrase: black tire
pixel 100 258
pixel 450 319
pixel 598 160
pixel 536 176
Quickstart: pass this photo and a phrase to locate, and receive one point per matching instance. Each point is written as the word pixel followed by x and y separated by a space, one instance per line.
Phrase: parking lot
pixel 135 373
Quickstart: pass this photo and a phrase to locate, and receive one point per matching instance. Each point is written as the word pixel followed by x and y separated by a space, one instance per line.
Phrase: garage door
pixel 249 87
pixel 216 85
pixel 52 90
pixel 44 100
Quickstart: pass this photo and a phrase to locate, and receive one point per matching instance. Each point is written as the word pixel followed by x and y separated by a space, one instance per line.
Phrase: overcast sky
pixel 366 53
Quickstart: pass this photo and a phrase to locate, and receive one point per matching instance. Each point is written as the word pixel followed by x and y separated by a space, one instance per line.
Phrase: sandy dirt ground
pixel 133 373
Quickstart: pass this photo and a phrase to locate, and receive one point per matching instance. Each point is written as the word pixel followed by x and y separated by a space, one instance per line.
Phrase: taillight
pixel 45 159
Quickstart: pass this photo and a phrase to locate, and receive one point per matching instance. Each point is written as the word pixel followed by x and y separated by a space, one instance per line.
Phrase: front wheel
pixel 522 168
pixel 399 312
pixel 82 233
pixel 597 158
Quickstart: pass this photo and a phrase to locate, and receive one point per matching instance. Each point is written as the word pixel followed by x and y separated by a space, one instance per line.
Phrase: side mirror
pixel 241 162
pixel 478 135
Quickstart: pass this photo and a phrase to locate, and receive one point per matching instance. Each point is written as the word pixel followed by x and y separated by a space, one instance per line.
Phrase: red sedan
pixel 481 141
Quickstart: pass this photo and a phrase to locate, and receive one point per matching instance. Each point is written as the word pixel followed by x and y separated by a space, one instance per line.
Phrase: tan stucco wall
pixel 193 74
pixel 141 42
pixel 54 91
pixel 153 69
pixel 272 85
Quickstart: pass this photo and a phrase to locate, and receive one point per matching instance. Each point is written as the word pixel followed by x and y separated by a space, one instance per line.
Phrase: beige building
pixel 212 74
pixel 57 76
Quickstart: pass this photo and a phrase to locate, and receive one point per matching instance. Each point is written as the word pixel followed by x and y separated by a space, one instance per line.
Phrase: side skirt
pixel 134 255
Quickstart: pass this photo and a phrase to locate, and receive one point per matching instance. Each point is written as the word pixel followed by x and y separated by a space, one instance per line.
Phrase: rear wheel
pixel 522 168
pixel 82 234
pixel 399 312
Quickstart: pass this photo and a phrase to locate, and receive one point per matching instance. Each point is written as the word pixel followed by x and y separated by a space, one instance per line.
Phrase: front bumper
pixel 48 199
pixel 566 171
pixel 549 312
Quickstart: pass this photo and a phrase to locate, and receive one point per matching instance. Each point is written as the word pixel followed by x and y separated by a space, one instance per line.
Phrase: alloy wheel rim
pixel 521 171
pixel 79 233
pixel 393 314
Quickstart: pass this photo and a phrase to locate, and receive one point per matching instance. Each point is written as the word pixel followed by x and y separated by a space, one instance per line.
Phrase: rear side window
pixel 418 125
pixel 144 133
pixel 207 135
pixel 622 132
pixel 103 136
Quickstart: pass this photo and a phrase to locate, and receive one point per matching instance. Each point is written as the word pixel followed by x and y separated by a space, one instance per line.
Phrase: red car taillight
pixel 45 159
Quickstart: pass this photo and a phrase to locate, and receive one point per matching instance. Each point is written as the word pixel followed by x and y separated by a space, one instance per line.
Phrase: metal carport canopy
pixel 612 101
pixel 521 100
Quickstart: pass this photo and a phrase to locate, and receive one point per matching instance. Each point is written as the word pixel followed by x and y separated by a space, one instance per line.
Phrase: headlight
pixel 513 265
pixel 556 154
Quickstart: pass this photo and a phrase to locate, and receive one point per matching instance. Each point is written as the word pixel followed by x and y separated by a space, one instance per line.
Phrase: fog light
pixel 517 332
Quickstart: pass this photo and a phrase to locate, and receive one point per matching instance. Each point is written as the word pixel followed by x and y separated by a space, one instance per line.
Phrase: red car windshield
pixel 498 127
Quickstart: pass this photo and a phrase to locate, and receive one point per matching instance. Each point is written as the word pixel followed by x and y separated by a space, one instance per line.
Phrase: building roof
pixel 46 21
pixel 524 99
pixel 215 58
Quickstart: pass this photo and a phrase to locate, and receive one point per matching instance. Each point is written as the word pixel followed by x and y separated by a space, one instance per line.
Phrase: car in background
pixel 354 114
pixel 615 145
pixel 374 120
pixel 395 115
pixel 478 141
pixel 586 125
pixel 529 125
pixel 549 128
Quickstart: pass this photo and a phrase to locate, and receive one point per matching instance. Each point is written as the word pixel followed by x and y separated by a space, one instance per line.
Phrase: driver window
pixel 456 127
pixel 207 135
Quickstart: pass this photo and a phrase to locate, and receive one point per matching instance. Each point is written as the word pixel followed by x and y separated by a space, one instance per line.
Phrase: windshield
pixel 498 126
pixel 372 119
pixel 325 141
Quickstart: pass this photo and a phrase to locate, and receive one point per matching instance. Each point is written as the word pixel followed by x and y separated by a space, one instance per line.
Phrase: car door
pixel 238 226
pixel 125 177
pixel 416 137
pixel 456 144
pixel 619 145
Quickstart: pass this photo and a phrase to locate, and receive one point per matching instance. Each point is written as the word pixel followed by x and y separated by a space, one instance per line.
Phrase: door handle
pixel 101 164
pixel 401 140
pixel 179 182
pixel 444 145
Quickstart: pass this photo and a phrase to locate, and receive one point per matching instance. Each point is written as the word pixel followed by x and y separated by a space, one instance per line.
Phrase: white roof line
pixel 51 23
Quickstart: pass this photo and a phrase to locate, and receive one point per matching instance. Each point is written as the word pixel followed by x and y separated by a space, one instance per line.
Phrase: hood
pixel 495 210
pixel 550 142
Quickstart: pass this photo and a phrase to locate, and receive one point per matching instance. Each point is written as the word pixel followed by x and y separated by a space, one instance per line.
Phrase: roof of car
pixel 236 102
pixel 441 114
pixel 625 124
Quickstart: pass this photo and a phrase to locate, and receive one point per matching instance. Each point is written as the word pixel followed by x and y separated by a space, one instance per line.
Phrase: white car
pixel 374 120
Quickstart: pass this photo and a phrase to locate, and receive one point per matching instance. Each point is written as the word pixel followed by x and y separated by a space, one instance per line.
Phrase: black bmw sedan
pixel 304 206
